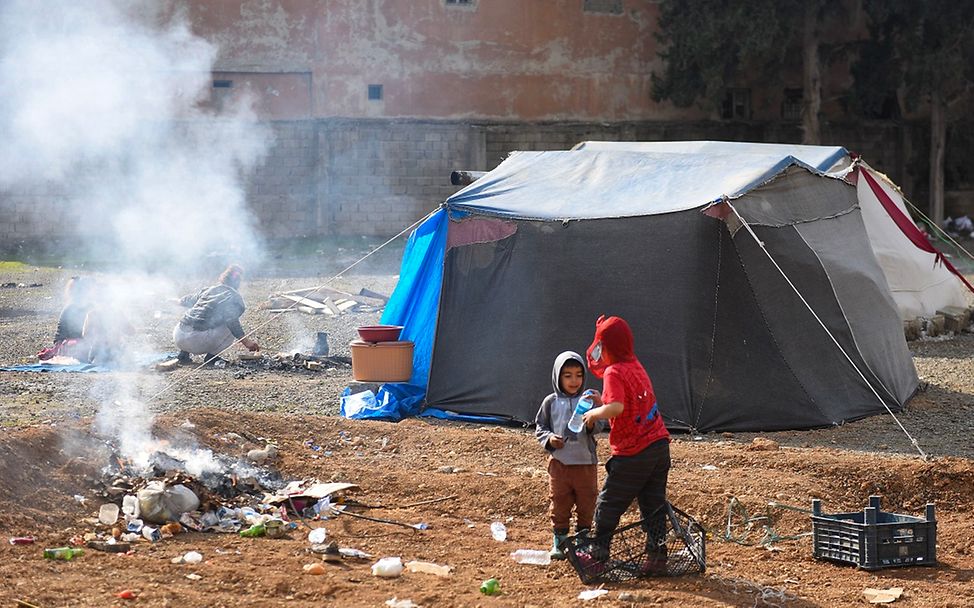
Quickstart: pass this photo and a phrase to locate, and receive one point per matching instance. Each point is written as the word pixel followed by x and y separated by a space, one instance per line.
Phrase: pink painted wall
pixel 494 59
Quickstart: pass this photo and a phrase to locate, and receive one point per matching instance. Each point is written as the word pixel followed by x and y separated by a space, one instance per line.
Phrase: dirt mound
pixel 486 474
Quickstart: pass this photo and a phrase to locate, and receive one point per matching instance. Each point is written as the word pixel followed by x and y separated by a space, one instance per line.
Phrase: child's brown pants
pixel 572 485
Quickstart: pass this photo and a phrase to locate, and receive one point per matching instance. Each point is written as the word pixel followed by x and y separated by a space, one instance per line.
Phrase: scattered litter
pixel 428 568
pixel 315 568
pixel 161 503
pixel 193 576
pixel 108 514
pixel 387 567
pixel 698 437
pixel 882 596
pixel 709 467
pixel 592 594
pixel 127 594
pixel 491 586
pixel 79 498
pixel 398 603
pixel 187 425
pixel 533 557
pixel 190 557
pixel 354 553
pixel 65 554
pixel 254 531
pixel 469 523
pixel 22 540
pixel 109 546
pixel 317 536
pixel 498 531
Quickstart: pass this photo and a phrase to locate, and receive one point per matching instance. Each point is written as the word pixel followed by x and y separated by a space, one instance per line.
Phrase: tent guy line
pixel 760 244
pixel 190 373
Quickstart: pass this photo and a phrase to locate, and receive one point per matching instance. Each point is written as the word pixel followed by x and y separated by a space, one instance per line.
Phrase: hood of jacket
pixel 560 361
pixel 613 343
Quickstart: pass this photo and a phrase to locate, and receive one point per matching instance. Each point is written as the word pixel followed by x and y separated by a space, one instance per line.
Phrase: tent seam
pixel 713 333
pixel 774 339
pixel 838 301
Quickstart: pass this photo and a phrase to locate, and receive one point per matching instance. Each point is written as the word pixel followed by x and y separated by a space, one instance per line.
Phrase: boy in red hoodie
pixel 640 443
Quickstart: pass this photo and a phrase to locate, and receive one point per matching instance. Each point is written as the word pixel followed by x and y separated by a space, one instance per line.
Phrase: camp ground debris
pixel 325 301
pixel 732 266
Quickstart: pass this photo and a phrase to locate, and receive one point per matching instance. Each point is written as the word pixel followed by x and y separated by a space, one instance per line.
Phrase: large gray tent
pixel 749 282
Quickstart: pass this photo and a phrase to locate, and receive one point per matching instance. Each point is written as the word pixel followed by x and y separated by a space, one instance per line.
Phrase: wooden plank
pixel 344 305
pixel 306 302
pixel 331 307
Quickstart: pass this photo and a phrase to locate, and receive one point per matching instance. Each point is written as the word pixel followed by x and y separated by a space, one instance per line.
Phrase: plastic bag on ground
pixel 159 503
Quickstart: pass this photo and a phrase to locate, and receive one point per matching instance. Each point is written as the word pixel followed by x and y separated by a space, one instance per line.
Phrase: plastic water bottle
pixel 498 531
pixel 584 404
pixel 531 556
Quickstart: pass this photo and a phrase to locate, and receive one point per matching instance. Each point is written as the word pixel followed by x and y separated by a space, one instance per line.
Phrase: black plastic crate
pixel 668 543
pixel 873 539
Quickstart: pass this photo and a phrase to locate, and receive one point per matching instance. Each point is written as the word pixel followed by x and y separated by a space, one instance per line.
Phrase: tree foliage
pixel 919 47
pixel 708 44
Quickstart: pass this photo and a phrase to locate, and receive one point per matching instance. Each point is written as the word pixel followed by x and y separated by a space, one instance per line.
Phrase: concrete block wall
pixel 377 176
pixel 281 191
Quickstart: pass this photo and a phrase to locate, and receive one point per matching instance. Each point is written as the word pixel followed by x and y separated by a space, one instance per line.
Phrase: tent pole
pixel 820 322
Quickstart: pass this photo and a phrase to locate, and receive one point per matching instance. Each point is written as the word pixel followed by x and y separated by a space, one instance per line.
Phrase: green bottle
pixel 63 553
pixel 491 586
pixel 254 531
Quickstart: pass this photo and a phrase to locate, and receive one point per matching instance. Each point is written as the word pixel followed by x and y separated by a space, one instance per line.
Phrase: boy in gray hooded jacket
pixel 573 463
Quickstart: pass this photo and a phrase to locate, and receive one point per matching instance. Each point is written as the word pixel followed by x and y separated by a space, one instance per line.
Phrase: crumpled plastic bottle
pixel 498 531
pixel 491 586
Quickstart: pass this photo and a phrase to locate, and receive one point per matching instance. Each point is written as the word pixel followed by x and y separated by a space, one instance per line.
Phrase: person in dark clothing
pixel 212 322
pixel 68 337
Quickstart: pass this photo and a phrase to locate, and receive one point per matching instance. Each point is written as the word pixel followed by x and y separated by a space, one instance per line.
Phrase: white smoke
pixel 105 104
pixel 105 101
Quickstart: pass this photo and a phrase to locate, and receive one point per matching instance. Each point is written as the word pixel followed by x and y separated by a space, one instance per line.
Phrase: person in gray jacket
pixel 212 322
pixel 573 462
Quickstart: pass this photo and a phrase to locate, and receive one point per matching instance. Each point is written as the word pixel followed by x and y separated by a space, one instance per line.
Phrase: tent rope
pixel 827 331
pixel 176 381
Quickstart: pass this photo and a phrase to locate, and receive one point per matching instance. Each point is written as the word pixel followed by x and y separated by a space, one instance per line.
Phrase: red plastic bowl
pixel 380 333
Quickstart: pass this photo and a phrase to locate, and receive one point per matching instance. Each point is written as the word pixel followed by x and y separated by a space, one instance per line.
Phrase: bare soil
pixel 49 451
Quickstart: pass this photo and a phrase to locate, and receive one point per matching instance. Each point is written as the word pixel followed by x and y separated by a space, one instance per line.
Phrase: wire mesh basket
pixel 667 543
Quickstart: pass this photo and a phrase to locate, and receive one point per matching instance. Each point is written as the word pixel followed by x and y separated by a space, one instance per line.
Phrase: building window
pixel 737 104
pixel 375 92
pixel 791 106
pixel 608 7
pixel 222 84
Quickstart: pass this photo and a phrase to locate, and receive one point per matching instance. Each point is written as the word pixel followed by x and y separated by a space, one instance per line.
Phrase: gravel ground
pixel 28 316
pixel 940 417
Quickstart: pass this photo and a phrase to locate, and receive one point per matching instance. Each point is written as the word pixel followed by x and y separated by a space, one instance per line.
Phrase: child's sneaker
pixel 589 564
pixel 654 564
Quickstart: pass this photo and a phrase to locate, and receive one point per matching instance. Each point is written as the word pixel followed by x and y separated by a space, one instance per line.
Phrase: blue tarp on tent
pixel 413 305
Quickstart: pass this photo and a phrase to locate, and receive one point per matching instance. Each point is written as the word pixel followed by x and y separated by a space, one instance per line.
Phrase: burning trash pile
pixel 158 500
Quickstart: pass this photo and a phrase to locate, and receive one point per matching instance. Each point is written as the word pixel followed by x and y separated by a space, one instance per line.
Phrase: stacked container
pixel 380 356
